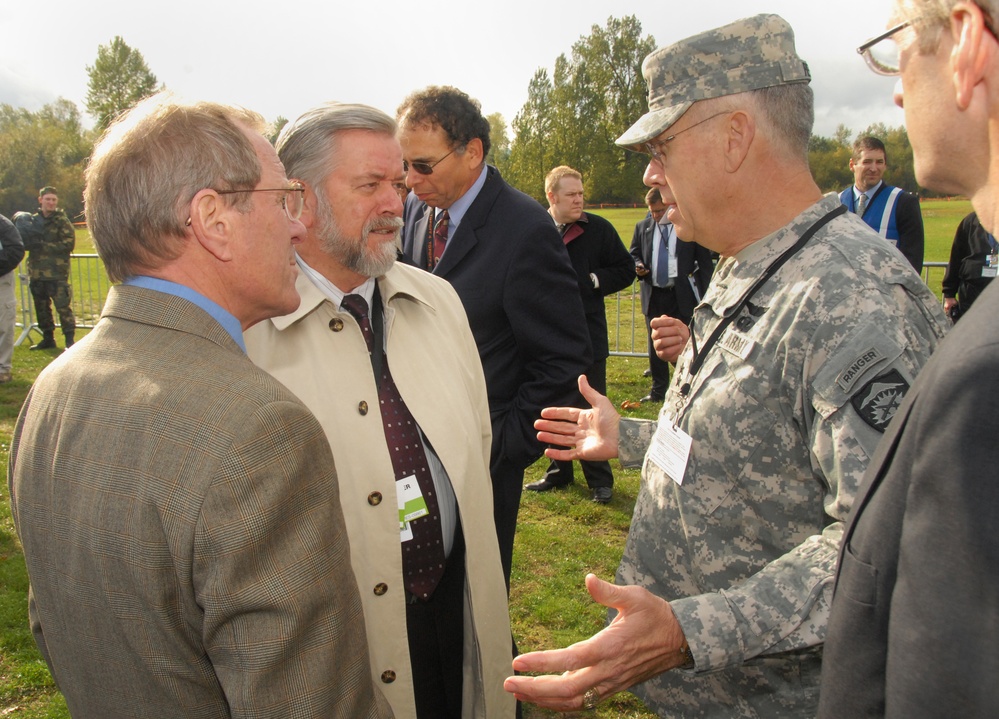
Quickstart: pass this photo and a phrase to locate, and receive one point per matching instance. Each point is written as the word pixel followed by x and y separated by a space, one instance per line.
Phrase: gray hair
pixel 787 113
pixel 308 146
pixel 148 166
pixel 930 16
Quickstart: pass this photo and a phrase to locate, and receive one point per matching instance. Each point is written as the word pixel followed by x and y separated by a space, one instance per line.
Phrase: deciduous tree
pixel 119 79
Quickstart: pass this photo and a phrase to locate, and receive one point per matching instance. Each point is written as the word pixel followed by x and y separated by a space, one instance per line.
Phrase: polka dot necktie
pixel 423 555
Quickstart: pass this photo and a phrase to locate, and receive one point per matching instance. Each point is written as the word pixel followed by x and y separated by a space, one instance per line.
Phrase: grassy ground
pixel 561 535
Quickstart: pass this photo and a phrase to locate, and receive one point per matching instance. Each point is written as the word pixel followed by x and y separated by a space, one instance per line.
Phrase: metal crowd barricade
pixel 626 331
pixel 625 323
pixel 89 284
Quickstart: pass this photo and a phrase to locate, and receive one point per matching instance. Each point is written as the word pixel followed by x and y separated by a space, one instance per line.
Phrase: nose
pixel 297 232
pixel 412 177
pixel 897 94
pixel 653 176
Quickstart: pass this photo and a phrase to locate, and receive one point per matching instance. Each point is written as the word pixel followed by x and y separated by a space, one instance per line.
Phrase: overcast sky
pixel 280 58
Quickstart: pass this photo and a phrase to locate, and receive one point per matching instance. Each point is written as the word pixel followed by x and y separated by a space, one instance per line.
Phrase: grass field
pixel 561 535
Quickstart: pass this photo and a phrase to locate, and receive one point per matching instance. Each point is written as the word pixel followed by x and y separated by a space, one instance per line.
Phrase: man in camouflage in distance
pixel 49 242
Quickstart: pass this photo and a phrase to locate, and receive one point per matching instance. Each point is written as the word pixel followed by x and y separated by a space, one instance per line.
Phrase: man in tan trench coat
pixel 459 643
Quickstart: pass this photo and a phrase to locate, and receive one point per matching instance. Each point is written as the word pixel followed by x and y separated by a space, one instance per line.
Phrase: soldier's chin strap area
pixel 698 357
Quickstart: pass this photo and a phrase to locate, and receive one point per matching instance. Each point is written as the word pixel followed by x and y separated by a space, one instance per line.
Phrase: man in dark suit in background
pixel 670 288
pixel 603 267
pixel 502 254
pixel 178 507
pixel 915 615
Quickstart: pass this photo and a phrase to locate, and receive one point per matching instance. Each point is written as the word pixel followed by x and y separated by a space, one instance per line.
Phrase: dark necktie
pixel 662 267
pixel 423 555
pixel 440 235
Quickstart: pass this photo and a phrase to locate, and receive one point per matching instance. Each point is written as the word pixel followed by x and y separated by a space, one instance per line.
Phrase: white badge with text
pixel 412 505
pixel 670 449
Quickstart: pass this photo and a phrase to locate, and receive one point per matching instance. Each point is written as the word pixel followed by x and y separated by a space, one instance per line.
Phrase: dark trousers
pixel 508 485
pixel 597 474
pixel 662 301
pixel 436 640
pixel 61 295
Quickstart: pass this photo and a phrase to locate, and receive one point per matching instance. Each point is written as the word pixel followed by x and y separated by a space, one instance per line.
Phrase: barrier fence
pixel 625 323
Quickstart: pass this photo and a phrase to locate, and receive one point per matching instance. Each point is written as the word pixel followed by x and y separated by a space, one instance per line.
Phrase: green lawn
pixel 561 535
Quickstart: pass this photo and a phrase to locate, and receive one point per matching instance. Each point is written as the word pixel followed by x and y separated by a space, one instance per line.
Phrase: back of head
pixel 307 147
pixel 653 197
pixel 459 116
pixel 149 165
pixel 751 60
pixel 555 175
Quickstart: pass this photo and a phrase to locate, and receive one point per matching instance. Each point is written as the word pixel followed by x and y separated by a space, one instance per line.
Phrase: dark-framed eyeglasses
pixel 657 149
pixel 881 53
pixel 426 168
pixel 293 200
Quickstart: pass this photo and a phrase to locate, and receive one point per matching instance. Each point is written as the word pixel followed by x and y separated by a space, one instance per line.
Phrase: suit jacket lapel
pixel 465 238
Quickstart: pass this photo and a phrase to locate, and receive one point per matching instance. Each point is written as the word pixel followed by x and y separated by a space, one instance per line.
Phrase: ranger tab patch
pixel 878 400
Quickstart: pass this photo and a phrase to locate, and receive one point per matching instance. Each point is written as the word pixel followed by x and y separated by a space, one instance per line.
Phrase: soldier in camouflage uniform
pixel 809 336
pixel 49 244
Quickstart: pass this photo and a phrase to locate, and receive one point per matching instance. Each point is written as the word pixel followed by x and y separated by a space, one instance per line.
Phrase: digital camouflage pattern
pixel 49 251
pixel 746 55
pixel 745 549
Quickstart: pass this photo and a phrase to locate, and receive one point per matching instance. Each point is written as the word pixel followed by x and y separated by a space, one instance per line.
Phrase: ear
pixel 473 151
pixel 851 164
pixel 309 206
pixel 972 54
pixel 740 131
pixel 551 197
pixel 211 224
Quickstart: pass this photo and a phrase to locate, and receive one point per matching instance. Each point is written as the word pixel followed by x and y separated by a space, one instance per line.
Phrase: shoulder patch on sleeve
pixel 878 400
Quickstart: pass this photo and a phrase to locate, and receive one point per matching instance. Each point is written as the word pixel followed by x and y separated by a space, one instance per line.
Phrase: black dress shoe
pixel 544 485
pixel 651 398
pixel 602 495
pixel 647 373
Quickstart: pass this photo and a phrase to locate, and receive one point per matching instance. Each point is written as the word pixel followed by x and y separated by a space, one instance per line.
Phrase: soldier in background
pixel 810 333
pixel 49 240
pixel 11 252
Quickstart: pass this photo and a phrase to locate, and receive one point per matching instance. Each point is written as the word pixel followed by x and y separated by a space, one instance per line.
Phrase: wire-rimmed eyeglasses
pixel 657 149
pixel 293 200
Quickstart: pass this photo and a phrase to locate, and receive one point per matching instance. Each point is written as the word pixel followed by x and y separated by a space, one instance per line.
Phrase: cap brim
pixel 650 126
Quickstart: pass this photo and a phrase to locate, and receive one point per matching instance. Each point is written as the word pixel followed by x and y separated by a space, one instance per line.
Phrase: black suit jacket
pixel 595 247
pixel 914 627
pixel 509 267
pixel 693 262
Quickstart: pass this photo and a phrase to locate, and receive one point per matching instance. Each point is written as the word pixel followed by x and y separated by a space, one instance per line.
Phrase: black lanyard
pixel 698 357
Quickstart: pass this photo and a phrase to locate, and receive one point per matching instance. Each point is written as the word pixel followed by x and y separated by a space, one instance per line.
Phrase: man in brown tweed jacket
pixel 178 507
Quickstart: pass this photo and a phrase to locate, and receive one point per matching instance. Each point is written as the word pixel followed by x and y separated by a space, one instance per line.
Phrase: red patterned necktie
pixel 423 555
pixel 440 235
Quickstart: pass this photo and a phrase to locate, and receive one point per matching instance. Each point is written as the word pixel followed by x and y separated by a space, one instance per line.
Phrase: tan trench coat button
pixel 388 676
pixel 336 324
pixel 362 408
pixel 375 498
pixel 380 589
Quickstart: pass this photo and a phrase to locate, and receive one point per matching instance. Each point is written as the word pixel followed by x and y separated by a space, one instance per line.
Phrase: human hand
pixel 669 335
pixel 643 640
pixel 590 434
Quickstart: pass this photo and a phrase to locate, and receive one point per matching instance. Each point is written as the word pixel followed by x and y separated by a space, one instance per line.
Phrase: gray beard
pixel 353 252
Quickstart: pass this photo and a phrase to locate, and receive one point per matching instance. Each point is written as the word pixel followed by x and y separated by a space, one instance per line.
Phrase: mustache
pixel 383 223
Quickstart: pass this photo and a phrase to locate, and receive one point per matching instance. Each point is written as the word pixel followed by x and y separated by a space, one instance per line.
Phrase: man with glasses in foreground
pixel 915 616
pixel 177 506
pixel 502 254
pixel 405 360
pixel 810 333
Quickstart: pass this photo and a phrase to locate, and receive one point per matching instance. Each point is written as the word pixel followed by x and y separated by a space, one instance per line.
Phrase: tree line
pixel 572 116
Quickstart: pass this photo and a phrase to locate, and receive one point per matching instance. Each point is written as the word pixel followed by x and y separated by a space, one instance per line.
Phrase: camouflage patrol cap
pixel 748 54
pixel 47 190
